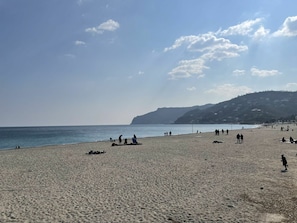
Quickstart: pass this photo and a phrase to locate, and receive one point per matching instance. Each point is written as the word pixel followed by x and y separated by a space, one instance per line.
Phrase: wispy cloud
pixel 244 28
pixel 217 46
pixel 289 27
pixel 78 43
pixel 238 73
pixel 187 68
pixel 229 90
pixel 110 25
pixel 209 47
pixel 181 41
pixel 261 33
pixel 191 89
pixel 291 86
pixel 264 73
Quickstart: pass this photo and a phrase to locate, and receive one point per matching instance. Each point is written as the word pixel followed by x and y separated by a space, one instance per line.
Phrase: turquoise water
pixel 26 137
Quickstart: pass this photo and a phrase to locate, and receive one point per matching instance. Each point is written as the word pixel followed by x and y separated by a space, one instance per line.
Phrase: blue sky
pixel 91 62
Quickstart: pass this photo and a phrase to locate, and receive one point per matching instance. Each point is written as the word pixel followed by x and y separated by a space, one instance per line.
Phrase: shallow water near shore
pixel 25 137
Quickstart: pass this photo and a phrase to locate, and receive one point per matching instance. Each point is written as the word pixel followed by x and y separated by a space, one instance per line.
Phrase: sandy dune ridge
pixel 184 178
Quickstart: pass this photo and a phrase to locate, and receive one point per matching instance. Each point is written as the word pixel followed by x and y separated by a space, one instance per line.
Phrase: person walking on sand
pixel 285 163
pixel 238 138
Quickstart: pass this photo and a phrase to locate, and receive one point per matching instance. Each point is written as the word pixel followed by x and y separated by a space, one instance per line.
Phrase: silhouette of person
pixel 238 138
pixel 285 163
pixel 120 138
pixel 134 139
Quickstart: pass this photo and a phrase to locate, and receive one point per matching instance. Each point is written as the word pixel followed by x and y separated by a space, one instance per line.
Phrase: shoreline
pixel 95 141
pixel 179 178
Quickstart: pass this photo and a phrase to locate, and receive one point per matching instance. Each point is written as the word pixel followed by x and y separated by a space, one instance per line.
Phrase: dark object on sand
pixel 128 144
pixel 216 141
pixel 95 152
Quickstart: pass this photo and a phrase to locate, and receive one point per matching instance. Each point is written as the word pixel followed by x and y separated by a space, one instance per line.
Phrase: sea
pixel 28 137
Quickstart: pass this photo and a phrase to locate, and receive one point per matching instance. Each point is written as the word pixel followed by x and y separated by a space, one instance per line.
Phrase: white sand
pixel 174 179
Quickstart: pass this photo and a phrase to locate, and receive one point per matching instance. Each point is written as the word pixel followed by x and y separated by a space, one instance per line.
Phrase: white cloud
pixel 182 40
pixel 229 90
pixel 191 88
pixel 201 76
pixel 139 73
pixel 291 86
pixel 244 28
pixel 209 43
pixel 109 25
pixel 215 48
pixel 264 73
pixel 210 48
pixel 261 33
pixel 78 43
pixel 238 73
pixel 224 50
pixel 289 27
pixel 187 68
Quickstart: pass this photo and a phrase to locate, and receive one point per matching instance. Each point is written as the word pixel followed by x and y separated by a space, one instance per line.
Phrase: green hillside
pixel 260 107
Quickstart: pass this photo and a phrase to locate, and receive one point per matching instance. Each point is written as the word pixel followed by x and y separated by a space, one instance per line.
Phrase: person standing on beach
pixel 238 138
pixel 285 163
pixel 241 138
pixel 120 138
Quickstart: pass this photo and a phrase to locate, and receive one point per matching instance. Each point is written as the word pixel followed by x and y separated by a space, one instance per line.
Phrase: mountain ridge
pixel 165 115
pixel 252 108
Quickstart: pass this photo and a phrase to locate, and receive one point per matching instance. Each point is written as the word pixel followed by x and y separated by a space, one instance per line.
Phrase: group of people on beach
pixel 291 140
pixel 217 131
pixel 134 141
pixel 166 133
pixel 239 138
pixel 287 129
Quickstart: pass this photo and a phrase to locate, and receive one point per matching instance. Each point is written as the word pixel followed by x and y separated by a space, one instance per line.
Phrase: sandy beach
pixel 174 179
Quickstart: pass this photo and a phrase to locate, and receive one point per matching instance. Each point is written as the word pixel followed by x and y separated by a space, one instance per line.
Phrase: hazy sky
pixel 90 62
